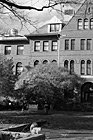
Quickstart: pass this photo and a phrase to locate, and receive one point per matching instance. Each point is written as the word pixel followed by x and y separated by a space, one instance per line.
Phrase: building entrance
pixel 87 92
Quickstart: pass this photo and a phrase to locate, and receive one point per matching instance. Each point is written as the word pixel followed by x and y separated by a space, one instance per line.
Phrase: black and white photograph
pixel 46 69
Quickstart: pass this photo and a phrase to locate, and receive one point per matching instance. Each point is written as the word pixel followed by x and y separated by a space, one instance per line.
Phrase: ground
pixel 63 125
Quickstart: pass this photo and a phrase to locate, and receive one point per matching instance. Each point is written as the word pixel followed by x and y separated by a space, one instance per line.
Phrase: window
pixel 66 64
pixel 54 61
pixel 54 27
pixel 45 46
pixel 80 24
pixel 91 23
pixel 88 10
pixel 19 68
pixel 66 44
pixel 88 47
pixel 82 45
pixel 20 49
pixel 71 66
pixel 37 46
pixel 88 67
pixel 72 44
pixel 54 45
pixel 82 67
pixel 68 12
pixel 86 24
pixel 45 62
pixel 36 63
pixel 7 50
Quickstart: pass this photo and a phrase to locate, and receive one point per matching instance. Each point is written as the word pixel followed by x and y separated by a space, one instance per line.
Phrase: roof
pixel 45 35
pixel 44 29
pixel 13 39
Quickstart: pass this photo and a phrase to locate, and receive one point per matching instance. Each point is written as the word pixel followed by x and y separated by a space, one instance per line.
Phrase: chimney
pixel 14 32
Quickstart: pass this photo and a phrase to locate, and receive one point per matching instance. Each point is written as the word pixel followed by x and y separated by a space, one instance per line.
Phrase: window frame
pixel 54 28
pixel 45 47
pixel 91 23
pixel 20 51
pixel 86 24
pixel 88 44
pixel 66 44
pixel 88 67
pixel 80 24
pixel 72 45
pixel 45 61
pixel 66 64
pixel 8 52
pixel 82 67
pixel 35 46
pixel 54 47
pixel 82 44
pixel 36 62
pixel 68 12
pixel 19 68
pixel 72 66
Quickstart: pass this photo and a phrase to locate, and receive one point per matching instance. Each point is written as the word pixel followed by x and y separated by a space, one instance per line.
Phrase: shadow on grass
pixel 57 120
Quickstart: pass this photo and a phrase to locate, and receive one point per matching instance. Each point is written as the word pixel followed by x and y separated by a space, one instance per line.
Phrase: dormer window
pixel 55 27
pixel 69 12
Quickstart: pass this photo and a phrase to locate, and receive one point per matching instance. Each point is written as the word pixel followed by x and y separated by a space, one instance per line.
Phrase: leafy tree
pixel 7 76
pixel 49 82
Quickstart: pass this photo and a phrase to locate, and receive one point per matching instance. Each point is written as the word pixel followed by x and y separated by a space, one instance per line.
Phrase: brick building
pixel 70 47
pixel 44 42
pixel 15 46
pixel 76 46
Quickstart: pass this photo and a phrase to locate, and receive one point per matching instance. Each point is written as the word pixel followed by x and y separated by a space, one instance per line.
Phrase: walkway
pixel 68 134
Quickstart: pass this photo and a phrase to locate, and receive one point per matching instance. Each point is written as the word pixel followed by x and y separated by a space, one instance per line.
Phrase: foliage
pixel 7 76
pixel 49 82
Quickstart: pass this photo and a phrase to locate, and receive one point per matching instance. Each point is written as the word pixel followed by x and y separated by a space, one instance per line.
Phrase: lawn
pixel 57 120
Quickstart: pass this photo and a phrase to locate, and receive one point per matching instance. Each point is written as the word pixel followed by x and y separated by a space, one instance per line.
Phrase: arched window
pixel 86 24
pixel 82 67
pixel 80 24
pixel 91 23
pixel 36 62
pixel 54 61
pixel 45 62
pixel 66 64
pixel 71 66
pixel 19 68
pixel 88 67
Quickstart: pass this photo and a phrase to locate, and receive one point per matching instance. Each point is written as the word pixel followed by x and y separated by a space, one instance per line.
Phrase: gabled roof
pixel 44 28
pixel 13 39
pixel 54 20
pixel 80 12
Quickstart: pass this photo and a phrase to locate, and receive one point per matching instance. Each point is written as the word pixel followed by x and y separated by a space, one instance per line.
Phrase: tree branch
pixel 51 3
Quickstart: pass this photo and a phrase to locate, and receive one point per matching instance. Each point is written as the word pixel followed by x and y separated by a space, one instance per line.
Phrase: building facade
pixel 15 46
pixel 69 45
pixel 76 46
pixel 45 41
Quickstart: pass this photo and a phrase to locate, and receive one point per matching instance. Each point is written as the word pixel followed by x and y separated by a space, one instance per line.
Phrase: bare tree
pixel 20 10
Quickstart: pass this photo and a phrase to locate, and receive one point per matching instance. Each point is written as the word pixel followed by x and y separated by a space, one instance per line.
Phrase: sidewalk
pixel 68 134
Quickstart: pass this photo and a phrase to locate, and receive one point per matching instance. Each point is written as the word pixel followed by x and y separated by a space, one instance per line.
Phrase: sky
pixel 39 17
pixel 34 15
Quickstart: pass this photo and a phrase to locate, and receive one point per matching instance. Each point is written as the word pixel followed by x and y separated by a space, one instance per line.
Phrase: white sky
pixel 41 17
pixel 36 3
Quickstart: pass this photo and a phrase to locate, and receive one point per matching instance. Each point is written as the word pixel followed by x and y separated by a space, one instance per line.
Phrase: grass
pixel 57 120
